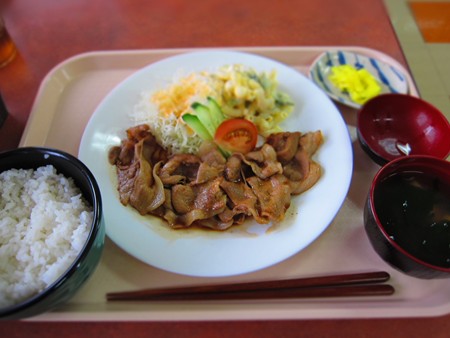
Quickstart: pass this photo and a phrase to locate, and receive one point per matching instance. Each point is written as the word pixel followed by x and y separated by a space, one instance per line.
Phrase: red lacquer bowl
pixel 394 125
pixel 405 215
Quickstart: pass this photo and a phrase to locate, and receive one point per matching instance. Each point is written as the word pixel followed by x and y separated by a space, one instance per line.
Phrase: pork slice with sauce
pixel 208 190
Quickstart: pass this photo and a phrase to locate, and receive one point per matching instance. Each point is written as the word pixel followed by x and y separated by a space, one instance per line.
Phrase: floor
pixel 423 30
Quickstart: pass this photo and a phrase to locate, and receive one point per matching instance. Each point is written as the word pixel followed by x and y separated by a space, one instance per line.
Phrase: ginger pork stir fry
pixel 209 190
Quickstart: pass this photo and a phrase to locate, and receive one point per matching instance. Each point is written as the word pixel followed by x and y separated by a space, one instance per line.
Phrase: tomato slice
pixel 236 135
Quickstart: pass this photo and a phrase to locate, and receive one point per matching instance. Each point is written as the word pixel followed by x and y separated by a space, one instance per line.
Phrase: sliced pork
pixel 209 190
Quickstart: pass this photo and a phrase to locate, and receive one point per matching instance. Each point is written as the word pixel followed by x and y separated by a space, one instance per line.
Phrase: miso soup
pixel 415 212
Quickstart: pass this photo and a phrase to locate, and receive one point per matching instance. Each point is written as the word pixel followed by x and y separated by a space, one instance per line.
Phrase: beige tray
pixel 67 98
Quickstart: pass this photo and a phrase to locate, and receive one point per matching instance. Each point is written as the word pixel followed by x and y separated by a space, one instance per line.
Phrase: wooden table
pixel 47 32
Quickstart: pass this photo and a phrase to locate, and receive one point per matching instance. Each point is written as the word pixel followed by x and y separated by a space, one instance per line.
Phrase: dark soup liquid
pixel 415 211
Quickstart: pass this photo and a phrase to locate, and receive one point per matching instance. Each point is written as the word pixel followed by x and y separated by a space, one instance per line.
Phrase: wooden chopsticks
pixel 346 285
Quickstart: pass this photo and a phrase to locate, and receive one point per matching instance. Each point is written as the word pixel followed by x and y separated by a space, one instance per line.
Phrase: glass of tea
pixel 7 46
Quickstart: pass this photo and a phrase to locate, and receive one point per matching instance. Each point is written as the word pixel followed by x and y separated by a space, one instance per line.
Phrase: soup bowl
pixel 407 215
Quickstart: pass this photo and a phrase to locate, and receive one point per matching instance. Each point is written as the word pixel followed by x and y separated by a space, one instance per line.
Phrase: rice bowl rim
pixel 77 165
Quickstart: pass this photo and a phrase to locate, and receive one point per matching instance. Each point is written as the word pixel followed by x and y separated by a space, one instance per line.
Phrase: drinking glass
pixel 7 46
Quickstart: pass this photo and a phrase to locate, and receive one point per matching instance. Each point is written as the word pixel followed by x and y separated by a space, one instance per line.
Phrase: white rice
pixel 44 224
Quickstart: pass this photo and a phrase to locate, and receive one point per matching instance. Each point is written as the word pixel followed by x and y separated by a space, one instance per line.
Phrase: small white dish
pixel 390 78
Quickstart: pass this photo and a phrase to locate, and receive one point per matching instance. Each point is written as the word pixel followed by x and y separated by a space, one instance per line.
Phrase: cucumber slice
pixel 204 115
pixel 215 111
pixel 205 118
pixel 194 122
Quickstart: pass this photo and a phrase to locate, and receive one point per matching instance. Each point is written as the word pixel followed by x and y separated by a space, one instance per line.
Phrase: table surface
pixel 47 32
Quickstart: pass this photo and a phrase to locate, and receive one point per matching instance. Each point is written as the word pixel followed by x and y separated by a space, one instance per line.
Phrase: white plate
pixel 241 249
pixel 391 79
